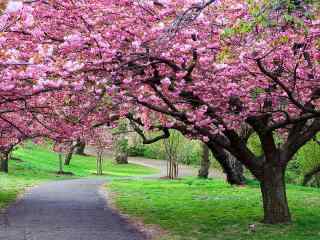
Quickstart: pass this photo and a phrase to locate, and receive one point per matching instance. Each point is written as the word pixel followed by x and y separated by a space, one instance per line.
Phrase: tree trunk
pixel 273 189
pixel 81 145
pixel 236 166
pixel 205 162
pixel 60 164
pixel 69 155
pixel 172 168
pixel 99 163
pixel 121 158
pixel 234 177
pixel 4 166
pixel 68 158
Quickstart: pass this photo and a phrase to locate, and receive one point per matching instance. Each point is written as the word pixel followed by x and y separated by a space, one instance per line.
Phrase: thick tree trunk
pixel 4 165
pixel 236 166
pixel 81 145
pixel 205 162
pixel 275 203
pixel 234 177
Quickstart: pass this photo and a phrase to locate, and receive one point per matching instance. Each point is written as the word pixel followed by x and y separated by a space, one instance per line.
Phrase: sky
pixel 13 5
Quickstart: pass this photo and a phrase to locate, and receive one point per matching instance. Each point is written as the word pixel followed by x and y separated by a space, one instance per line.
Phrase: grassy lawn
pixel 211 209
pixel 38 164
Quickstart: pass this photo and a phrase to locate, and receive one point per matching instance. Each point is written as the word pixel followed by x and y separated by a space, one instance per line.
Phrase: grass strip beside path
pixel 211 209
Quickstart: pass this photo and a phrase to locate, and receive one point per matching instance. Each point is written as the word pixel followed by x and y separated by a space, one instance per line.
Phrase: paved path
pixel 184 170
pixel 161 165
pixel 65 210
pixel 74 210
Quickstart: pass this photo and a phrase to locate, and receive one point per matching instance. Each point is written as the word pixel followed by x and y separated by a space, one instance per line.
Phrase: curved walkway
pixel 65 210
pixel 74 210
pixel 161 165
pixel 184 170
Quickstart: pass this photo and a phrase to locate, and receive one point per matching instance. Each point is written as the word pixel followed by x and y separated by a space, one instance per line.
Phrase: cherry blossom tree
pixel 205 68
pixel 101 139
pixel 31 105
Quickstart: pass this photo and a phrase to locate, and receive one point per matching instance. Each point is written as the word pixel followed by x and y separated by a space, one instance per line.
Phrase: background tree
pixel 121 142
pixel 80 148
pixel 205 162
pixel 72 148
pixel 172 146
pixel 101 139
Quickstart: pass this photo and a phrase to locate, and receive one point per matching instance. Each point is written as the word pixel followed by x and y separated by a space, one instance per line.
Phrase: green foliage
pixel 191 153
pixel 293 173
pixel 292 11
pixel 121 141
pixel 193 209
pixel 189 150
pixel 122 126
pixel 307 159
pixel 122 145
pixel 255 145
pixel 136 150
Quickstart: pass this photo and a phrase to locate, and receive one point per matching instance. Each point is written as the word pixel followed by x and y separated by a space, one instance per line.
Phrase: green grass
pixel 39 164
pixel 211 209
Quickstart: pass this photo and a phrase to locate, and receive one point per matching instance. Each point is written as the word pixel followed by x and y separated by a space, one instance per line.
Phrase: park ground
pixel 32 165
pixel 186 209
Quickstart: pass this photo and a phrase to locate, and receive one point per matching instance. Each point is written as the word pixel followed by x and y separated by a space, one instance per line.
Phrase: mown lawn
pixel 37 164
pixel 211 209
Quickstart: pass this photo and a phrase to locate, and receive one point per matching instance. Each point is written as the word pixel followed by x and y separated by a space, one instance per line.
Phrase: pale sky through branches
pixel 13 6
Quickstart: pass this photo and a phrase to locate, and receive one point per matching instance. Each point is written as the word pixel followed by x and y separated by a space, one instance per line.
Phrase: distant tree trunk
pixel 121 158
pixel 60 164
pixel 172 147
pixel 308 176
pixel 70 153
pixel 4 166
pixel 99 163
pixel 121 149
pixel 205 162
pixel 68 157
pixel 81 147
pixel 172 169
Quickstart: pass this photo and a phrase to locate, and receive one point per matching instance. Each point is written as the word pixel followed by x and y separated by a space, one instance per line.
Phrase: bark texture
pixel 69 155
pixel 81 148
pixel 227 162
pixel 205 162
pixel 99 162
pixel 274 196
pixel 121 158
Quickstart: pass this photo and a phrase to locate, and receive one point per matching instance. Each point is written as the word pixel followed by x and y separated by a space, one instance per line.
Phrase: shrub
pixel 136 150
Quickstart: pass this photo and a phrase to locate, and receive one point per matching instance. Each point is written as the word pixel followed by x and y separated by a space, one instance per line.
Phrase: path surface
pixel 74 210
pixel 161 165
pixel 65 210
pixel 184 170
